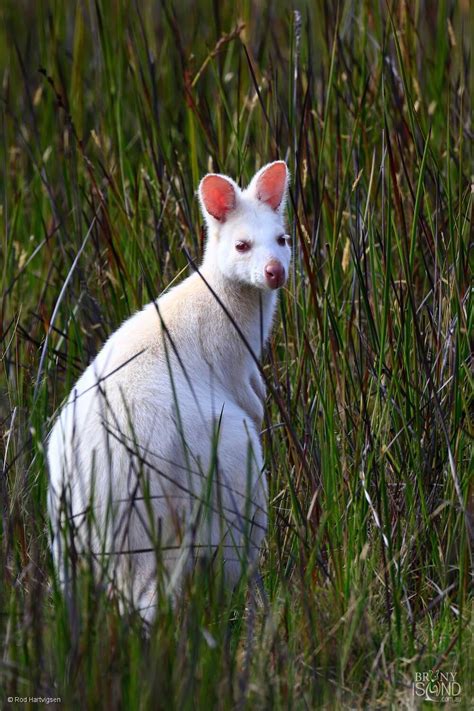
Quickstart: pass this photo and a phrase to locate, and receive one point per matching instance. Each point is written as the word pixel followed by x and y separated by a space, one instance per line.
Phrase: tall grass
pixel 110 113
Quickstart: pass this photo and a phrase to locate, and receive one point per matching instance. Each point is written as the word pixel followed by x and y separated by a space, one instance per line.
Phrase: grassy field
pixel 110 113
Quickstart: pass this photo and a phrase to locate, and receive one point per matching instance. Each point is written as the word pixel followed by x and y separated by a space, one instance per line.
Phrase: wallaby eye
pixel 242 246
pixel 282 240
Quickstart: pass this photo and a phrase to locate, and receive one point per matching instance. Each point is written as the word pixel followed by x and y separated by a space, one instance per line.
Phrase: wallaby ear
pixel 270 185
pixel 217 195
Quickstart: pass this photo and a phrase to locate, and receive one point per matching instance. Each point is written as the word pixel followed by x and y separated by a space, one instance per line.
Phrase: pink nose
pixel 274 274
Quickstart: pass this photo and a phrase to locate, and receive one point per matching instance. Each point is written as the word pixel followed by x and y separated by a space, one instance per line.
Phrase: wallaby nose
pixel 274 274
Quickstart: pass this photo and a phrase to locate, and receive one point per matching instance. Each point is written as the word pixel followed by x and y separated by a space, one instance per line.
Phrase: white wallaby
pixel 155 460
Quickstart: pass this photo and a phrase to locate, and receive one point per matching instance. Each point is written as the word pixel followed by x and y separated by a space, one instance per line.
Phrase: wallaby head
pixel 247 240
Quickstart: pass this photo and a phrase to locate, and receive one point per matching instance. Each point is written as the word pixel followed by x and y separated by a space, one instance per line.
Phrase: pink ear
pixel 218 196
pixel 271 184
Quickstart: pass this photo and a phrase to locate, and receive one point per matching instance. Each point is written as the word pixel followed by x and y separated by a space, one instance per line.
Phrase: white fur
pixel 142 422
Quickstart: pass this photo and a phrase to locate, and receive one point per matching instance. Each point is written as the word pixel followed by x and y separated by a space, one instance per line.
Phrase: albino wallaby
pixel 155 460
